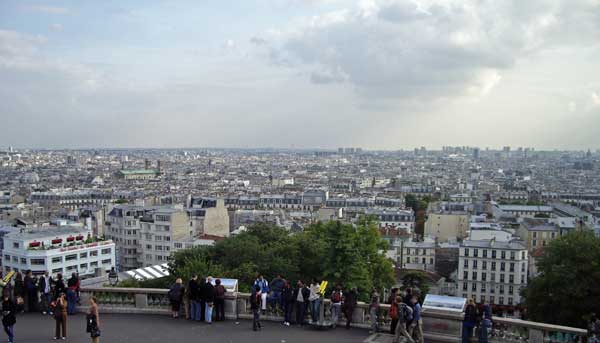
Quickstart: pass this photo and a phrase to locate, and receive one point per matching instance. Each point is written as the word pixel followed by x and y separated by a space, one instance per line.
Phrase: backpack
pixel 337 297
pixel 407 313
pixel 394 311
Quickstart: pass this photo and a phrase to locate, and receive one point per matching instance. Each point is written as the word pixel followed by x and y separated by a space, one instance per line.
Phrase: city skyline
pixel 381 75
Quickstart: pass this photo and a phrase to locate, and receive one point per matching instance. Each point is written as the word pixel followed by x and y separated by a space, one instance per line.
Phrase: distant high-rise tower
pixel 341 151
pixel 476 153
pixel 147 164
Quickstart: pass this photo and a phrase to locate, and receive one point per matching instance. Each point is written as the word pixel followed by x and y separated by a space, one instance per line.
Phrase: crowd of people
pixel 49 296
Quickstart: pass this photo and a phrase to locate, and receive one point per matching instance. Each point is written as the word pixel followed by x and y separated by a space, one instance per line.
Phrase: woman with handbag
pixel 60 315
pixel 8 316
pixel 93 321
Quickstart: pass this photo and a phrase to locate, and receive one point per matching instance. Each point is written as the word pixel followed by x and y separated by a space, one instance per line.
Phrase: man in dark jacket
pixel 202 297
pixel 301 294
pixel 277 285
pixel 31 289
pixel 255 300
pixel 209 299
pixel 350 300
pixel 287 300
pixel 45 288
pixel 194 298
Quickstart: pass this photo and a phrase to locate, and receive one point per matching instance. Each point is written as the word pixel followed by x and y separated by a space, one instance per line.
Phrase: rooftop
pixel 48 232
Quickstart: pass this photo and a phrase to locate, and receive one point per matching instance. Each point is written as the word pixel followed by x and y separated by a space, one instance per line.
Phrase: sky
pixel 377 74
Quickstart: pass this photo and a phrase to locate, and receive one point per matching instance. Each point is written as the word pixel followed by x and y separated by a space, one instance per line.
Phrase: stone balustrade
pixel 437 326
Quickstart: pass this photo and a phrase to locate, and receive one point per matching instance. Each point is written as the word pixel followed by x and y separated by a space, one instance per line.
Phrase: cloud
pixel 595 98
pixel 572 106
pixel 258 41
pixel 47 9
pixel 56 27
pixel 430 49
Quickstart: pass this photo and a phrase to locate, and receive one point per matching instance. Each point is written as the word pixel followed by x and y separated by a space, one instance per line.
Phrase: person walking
pixel 264 291
pixel 416 327
pixel 9 317
pixel 315 300
pixel 486 322
pixel 392 301
pixel 31 292
pixel 469 321
pixel 336 305
pixel 374 310
pixel 60 316
pixel 301 294
pixel 350 300
pixel 219 300
pixel 193 288
pixel 404 316
pixel 287 302
pixel 45 289
pixel 94 321
pixel 255 304
pixel 209 298
pixel 175 297
pixel 72 287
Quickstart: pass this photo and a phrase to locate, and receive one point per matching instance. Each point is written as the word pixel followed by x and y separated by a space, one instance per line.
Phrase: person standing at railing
pixel 469 321
pixel 9 318
pixel 209 298
pixel 287 301
pixel 416 327
pixel 32 291
pixel 315 300
pixel 255 302
pixel 219 300
pixel 19 292
pixel 301 294
pixel 194 298
pixel 349 304
pixel 264 291
pixel 486 322
pixel 202 298
pixel 73 286
pixel 45 289
pixel 59 286
pixel 175 297
pixel 277 285
pixel 336 305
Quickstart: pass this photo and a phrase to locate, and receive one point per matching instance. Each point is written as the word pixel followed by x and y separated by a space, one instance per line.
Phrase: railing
pixel 437 326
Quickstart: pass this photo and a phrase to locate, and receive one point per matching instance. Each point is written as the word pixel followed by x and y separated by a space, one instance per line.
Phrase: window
pixel 431 261
pixel 466 264
pixel 149 257
pixel 474 287
pixel 94 264
pixel 467 252
pixel 535 235
pixel 7 258
pixel 502 266
pixel 15 259
pixel 501 289
pixel 16 245
pixel 522 278
pixel 93 253
pixel 178 245
pixel 501 278
pixel 407 259
pixel 38 261
pixel 158 248
pixel 511 278
pixel 512 255
pixel 475 252
pixel 83 255
pixel 167 238
pixel 483 276
pixel 106 251
pixel 466 275
pixel 168 248
pixel 423 260
pixel 493 265
pixel 484 265
pixel 511 289
pixel 158 238
pixel 23 260
pixel 492 299
pixel 483 286
pixel 522 255
pixel 159 258
pixel 485 253
pixel 534 243
pixel 510 301
pixel 108 261
pixel 482 299
pixel 493 253
pixel 503 254
pixel 512 267
pixel 71 257
pixel 57 259
pixel 83 266
pixel 465 286
pixel 71 268
pixel 523 267
pixel 501 301
pixel 474 276
pixel 163 218
pixel 149 246
pixel 57 270
pixel 475 264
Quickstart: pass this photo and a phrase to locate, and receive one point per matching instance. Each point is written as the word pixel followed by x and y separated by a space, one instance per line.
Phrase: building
pixel 216 220
pixel 448 221
pixel 493 270
pixel 527 211
pixel 402 219
pixel 162 232
pixel 138 174
pixel 418 255
pixel 56 250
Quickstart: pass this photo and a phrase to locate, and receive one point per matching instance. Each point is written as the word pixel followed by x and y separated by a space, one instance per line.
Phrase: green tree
pixel 566 291
pixel 416 279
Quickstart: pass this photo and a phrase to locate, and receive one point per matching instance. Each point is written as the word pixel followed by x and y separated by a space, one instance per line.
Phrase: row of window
pixel 484 287
pixel 73 268
pixel 158 247
pixel 492 299
pixel 501 279
pixel 56 259
pixel 493 253
pixel 416 260
pixel 419 251
pixel 484 265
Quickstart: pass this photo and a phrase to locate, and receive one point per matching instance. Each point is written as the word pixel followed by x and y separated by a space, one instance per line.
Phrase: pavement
pixel 121 328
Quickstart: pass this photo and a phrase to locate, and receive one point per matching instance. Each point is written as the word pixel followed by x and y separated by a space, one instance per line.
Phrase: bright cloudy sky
pixel 384 74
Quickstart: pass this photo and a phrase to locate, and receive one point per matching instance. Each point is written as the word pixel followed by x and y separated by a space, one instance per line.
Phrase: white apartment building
pixel 401 219
pixel 492 270
pixel 418 255
pixel 162 232
pixel 57 250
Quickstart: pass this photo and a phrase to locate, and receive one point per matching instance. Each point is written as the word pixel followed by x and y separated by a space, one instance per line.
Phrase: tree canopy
pixel 352 255
pixel 566 292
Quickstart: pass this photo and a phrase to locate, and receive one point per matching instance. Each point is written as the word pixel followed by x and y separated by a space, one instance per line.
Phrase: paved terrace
pixel 129 328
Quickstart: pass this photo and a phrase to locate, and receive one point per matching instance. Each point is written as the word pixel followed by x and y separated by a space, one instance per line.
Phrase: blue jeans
pixel 314 309
pixel 71 301
pixel 467 333
pixel 208 313
pixel 10 332
pixel 195 310
pixel 275 299
pixel 483 334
